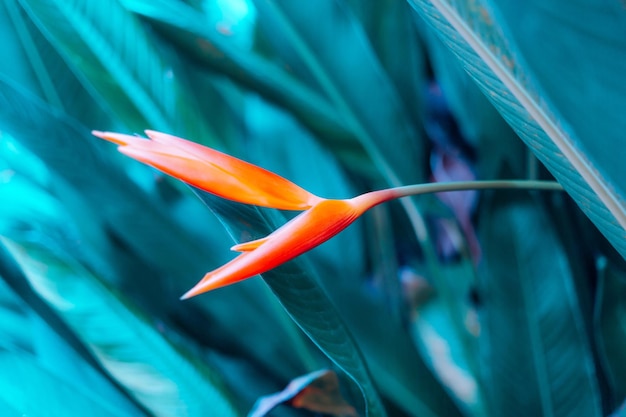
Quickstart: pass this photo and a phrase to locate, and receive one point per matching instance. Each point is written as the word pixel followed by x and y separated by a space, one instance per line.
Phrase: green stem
pixel 381 196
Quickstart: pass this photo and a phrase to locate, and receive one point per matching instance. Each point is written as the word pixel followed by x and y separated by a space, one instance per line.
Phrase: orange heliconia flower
pixel 237 180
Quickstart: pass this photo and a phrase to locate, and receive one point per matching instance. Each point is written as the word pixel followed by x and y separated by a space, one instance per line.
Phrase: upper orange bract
pixel 213 171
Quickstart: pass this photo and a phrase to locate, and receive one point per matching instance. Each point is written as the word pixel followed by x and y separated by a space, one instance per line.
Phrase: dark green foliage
pixel 339 97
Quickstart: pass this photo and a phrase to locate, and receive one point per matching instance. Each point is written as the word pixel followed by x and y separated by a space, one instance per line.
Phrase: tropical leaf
pixel 38 67
pixel 536 355
pixel 120 64
pixel 157 373
pixel 292 283
pixel 28 389
pixel 208 47
pixel 610 325
pixel 473 33
pixel 311 45
pixel 160 257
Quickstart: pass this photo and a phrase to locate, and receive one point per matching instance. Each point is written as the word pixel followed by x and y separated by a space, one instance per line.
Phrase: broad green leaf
pixel 303 297
pixel 610 325
pixel 166 379
pixel 118 61
pixel 30 390
pixel 535 350
pixel 477 38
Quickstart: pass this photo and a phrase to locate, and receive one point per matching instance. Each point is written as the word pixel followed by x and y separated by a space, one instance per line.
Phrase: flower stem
pixel 377 197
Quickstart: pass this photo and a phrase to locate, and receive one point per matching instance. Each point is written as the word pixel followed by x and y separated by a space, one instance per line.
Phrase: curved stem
pixel 381 196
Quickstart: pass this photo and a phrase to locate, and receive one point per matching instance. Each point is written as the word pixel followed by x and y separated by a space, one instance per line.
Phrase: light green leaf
pixel 477 38
pixel 535 350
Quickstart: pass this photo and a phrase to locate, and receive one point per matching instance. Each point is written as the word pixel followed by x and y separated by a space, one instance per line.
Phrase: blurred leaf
pixel 207 46
pixel 435 333
pixel 610 325
pixel 37 66
pixel 536 357
pixel 308 39
pixel 621 411
pixel 167 257
pixel 160 375
pixel 120 64
pixel 475 36
pixel 292 283
pixel 479 122
pixel 317 392
pixel 580 71
pixel 397 44
pixel 30 390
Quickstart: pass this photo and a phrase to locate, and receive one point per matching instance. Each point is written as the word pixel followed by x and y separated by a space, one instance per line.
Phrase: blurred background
pixel 506 303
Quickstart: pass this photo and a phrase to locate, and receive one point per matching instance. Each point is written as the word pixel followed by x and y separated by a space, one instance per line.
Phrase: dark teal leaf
pixel 479 122
pixel 610 325
pixel 32 391
pixel 535 350
pixel 162 376
pixel 205 45
pixel 477 38
pixel 165 257
pixel 120 64
pixel 37 66
pixel 294 283
pixel 327 48
pixel 580 70
pixel 393 36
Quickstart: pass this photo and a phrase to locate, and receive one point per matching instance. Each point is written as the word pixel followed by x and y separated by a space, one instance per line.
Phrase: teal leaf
pixel 535 354
pixel 309 39
pixel 294 283
pixel 37 66
pixel 478 38
pixel 159 374
pixel 121 64
pixel 204 45
pixel 28 389
pixel 165 257
pixel 610 325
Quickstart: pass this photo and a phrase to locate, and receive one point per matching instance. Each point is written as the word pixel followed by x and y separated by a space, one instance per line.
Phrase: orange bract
pixel 240 181
pixel 213 171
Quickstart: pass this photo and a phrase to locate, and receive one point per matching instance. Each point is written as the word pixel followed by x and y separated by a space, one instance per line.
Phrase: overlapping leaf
pixel 118 62
pixel 536 358
pixel 165 379
pixel 472 33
